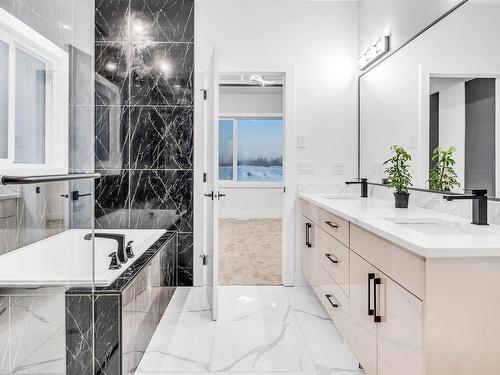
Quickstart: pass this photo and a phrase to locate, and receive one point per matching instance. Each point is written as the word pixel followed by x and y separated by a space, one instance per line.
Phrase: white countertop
pixel 372 214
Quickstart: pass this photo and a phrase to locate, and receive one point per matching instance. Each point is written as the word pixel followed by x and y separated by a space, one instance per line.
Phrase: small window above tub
pixel 34 84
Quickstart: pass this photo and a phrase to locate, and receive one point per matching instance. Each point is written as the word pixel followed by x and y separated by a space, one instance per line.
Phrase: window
pixel 251 150
pixel 34 79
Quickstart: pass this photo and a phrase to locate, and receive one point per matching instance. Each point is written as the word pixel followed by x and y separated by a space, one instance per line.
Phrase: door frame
pixel 289 166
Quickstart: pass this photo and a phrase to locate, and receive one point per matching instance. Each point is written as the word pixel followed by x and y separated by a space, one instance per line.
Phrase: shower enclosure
pixel 46 129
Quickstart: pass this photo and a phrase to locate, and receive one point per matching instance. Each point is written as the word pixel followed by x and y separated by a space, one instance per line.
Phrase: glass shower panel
pixel 4 98
pixel 46 263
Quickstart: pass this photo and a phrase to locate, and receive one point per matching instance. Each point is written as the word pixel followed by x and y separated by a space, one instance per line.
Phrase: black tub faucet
pixel 479 205
pixel 120 238
pixel 364 186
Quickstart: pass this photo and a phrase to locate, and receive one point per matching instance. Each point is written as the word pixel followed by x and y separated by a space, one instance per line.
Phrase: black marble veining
pixel 162 20
pixel 112 73
pixel 161 137
pixel 185 259
pixel 164 190
pixel 162 74
pixel 144 119
pixel 111 20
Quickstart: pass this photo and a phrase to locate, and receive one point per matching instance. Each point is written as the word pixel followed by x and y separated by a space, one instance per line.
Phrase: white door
pixel 212 182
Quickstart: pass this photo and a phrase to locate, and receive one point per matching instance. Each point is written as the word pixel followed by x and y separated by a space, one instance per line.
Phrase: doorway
pixel 251 149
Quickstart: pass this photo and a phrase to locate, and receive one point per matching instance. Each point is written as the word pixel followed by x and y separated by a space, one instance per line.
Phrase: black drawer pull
pixel 308 235
pixel 376 318
pixel 334 304
pixel 333 225
pixel 371 276
pixel 334 259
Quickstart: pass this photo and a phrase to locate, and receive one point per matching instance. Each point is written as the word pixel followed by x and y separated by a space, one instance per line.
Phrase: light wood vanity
pixel 400 313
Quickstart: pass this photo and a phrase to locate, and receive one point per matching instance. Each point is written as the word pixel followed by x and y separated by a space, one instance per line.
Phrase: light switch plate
pixel 301 141
pixel 337 167
pixel 412 141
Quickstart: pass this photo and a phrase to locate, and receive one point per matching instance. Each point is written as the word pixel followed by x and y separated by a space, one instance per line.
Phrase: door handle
pixel 211 195
pixel 220 195
pixel 334 304
pixel 376 318
pixel 334 259
pixel 371 276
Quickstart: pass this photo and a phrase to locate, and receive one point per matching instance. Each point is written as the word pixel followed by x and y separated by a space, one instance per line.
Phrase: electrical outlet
pixel 301 141
pixel 337 167
pixel 307 167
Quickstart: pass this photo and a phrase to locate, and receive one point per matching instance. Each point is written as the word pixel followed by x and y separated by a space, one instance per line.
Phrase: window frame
pixel 234 117
pixel 20 36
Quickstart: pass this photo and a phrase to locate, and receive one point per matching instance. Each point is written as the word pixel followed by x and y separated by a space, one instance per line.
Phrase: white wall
pixel 395 94
pixel 250 100
pixel 319 37
pixel 244 203
pixel 401 19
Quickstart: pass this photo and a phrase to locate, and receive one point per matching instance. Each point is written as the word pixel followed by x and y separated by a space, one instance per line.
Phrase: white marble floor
pixel 262 330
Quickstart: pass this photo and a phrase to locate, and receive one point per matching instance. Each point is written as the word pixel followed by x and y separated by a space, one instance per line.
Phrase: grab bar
pixel 24 180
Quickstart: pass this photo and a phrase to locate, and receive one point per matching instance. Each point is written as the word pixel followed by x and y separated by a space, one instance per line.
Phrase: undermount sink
pixel 437 227
pixel 338 196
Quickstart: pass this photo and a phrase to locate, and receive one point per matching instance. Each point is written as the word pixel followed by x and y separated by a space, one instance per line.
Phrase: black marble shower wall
pixel 144 118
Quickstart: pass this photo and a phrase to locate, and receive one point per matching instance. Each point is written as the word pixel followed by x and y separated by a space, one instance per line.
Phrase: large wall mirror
pixel 439 97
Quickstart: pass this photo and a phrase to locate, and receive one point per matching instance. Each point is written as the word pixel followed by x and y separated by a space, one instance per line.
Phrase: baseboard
pixel 249 215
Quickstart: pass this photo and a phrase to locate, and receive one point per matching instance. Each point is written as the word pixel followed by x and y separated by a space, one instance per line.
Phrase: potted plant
pixel 399 176
pixel 442 175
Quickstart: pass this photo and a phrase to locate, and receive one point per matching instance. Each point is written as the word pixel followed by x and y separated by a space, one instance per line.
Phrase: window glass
pixel 4 95
pixel 225 149
pixel 30 109
pixel 260 150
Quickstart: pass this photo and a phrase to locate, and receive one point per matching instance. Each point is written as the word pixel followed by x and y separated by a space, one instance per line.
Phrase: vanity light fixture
pixel 372 54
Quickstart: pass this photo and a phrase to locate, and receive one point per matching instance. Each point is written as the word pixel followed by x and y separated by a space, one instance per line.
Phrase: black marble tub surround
pixel 144 118
pixel 126 313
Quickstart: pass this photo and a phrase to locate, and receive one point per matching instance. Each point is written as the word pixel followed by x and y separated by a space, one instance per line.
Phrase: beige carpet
pixel 250 252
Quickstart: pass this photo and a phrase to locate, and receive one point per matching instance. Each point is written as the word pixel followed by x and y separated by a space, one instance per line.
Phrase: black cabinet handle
pixel 333 225
pixel 371 276
pixel 334 304
pixel 308 235
pixel 376 318
pixel 334 259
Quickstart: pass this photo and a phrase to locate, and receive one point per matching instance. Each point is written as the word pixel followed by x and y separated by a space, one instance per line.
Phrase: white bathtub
pixel 66 259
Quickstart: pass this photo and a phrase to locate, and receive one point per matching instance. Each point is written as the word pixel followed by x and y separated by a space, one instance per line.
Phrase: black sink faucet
pixel 364 186
pixel 479 205
pixel 120 238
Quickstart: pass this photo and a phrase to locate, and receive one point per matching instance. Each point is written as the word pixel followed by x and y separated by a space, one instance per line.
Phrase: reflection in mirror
pixel 462 115
pixel 438 91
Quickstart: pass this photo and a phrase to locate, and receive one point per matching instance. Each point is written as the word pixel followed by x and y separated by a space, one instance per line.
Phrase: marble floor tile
pixel 251 307
pixel 261 330
pixel 306 305
pixel 258 347
pixel 179 348
pixel 328 349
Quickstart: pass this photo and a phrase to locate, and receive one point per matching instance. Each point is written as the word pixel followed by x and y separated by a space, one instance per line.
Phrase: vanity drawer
pixel 309 210
pixel 334 225
pixel 335 301
pixel 334 258
pixel 404 267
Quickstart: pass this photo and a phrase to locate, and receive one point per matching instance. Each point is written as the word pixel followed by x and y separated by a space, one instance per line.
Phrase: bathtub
pixel 66 259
